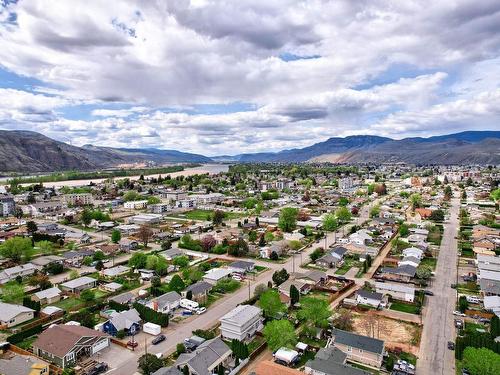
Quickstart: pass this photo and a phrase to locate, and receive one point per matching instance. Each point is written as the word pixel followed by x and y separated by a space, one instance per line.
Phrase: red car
pixel 133 344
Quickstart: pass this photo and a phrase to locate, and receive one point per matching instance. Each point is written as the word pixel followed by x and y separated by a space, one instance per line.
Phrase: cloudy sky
pixel 226 77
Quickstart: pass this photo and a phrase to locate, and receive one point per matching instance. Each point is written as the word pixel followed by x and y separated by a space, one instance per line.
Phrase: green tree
pixel 316 254
pixel 154 200
pixel 46 247
pixel 437 215
pixel 404 231
pixel 314 311
pixel 343 214
pixel 423 272
pixel 280 333
pixel 288 219
pixel 31 227
pixel 279 277
pixel 218 217
pixel 181 261
pixel 138 260
pixel 17 249
pixel 294 295
pixel 495 327
pixel 271 304
pixel 330 222
pixel 481 361
pixel 463 305
pixel 12 292
pixel 116 236
pixel 375 211
pixel 268 237
pixel 416 201
pixel 87 295
pixel 149 363
pixel 86 217
pixel 165 245
pixel 98 255
pixel 176 284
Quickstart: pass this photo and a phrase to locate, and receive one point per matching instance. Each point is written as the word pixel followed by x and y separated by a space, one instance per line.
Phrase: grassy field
pixel 430 262
pixel 404 307
pixel 206 215
pixel 348 264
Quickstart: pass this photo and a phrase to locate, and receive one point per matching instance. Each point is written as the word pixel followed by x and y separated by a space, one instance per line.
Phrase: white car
pixel 201 310
pixel 237 278
pixel 458 313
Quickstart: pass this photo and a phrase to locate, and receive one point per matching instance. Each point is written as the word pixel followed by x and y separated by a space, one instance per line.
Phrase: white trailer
pixel 151 328
pixel 188 304
pixel 286 355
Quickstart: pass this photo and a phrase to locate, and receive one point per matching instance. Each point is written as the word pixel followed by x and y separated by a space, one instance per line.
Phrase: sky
pixel 230 77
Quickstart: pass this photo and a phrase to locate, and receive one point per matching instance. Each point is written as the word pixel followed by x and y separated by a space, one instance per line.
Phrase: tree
pixel 343 320
pixel 149 363
pixel 495 327
pixel 416 201
pixel 165 245
pixel 17 249
pixel 238 249
pixel 116 236
pixel 314 311
pixel 375 211
pixel 218 217
pixel 316 254
pixel 31 227
pixel 279 277
pixel 99 265
pixel 404 231
pixel 288 219
pixel 259 289
pixel 463 304
pixel 208 242
pixel 98 255
pixel 280 333
pixel 294 295
pixel 368 260
pixel 86 217
pixel 180 348
pixel 262 241
pixel 423 272
pixel 185 370
pixel 252 236
pixel 437 215
pixel 41 280
pixel 268 237
pixel 330 222
pixel 274 256
pixel 73 274
pixel 87 295
pixel 12 292
pixel 448 193
pixel 343 214
pixel 481 361
pixel 381 189
pixel 144 234
pixel 46 247
pixel 181 261
pixel 176 284
pixel 271 304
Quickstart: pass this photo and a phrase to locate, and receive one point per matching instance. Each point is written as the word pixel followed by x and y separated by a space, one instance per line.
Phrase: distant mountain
pixel 26 151
pixel 471 147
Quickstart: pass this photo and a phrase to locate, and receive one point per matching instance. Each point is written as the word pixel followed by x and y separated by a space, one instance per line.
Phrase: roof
pixel 49 310
pixel 199 287
pixel 354 340
pixel 9 311
pixel 242 264
pixel 19 365
pixel 370 295
pixel 48 293
pixel 339 250
pixel 167 298
pixel 406 269
pixel 271 368
pixel 217 273
pixel 123 298
pixel 84 280
pixel 60 339
pixel 331 361
pixel 205 356
pixel 241 314
pixel 395 287
pixel 167 371
pixel 315 275
pixel 125 319
pixel 490 286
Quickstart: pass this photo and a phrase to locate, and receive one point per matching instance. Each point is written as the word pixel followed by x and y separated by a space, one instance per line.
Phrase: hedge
pixel 20 336
pixel 149 315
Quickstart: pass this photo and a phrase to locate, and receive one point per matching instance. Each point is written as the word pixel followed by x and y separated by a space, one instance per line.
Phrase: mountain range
pixel 26 151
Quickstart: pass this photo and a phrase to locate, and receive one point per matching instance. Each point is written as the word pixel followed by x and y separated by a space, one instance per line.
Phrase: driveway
pixel 434 357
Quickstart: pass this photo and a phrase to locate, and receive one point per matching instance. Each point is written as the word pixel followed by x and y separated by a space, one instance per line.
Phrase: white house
pixel 241 323
pixel 165 303
pixel 11 315
pixel 366 297
pixel 214 275
pixel 398 291
pixel 413 252
pixel 135 205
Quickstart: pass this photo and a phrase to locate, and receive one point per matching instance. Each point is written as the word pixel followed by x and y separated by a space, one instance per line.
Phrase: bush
pixel 117 306
pixel 20 336
pixel 149 315
pixel 120 334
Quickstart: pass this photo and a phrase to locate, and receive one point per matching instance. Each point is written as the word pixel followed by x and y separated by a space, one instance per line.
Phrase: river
pixel 205 168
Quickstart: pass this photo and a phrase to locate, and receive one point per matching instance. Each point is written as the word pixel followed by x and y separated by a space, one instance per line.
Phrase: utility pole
pixel 248 289
pixel 293 262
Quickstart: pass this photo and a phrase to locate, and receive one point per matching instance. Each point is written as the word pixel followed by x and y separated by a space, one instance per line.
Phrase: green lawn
pixel 206 215
pixel 26 343
pixel 69 304
pixel 430 262
pixel 348 264
pixel 404 307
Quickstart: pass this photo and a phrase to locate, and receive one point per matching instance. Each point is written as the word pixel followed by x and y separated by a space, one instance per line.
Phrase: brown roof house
pixel 64 345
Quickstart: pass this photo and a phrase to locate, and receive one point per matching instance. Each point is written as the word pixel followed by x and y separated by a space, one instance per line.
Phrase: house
pixel 51 311
pixel 135 205
pixel 46 260
pixel 492 303
pixel 22 270
pixel 413 252
pixel 78 199
pixel 128 321
pixel 199 291
pixel 365 297
pixel 273 368
pixel 401 273
pixel 242 266
pixel 76 256
pixel 165 303
pixel 115 271
pixel 47 296
pixel 301 286
pixel 361 237
pixel 400 292
pixel 313 277
pixel 11 315
pixel 167 371
pixel 362 349
pixel 127 244
pixel 79 284
pixel 111 287
pixel 216 274
pixel 64 345
pixel 332 258
pixel 172 253
pixel 124 298
pixel 409 260
pixel 331 361
pixel 416 238
pixel 144 219
pixel 241 323
pixel 109 249
pixel 23 365
pixel 423 213
pixel 206 358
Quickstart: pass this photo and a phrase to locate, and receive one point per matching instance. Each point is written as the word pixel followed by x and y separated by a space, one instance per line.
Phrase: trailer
pixel 151 328
pixel 188 304
pixel 286 356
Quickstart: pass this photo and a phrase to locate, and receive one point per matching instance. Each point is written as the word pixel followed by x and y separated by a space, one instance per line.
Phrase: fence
pixel 54 370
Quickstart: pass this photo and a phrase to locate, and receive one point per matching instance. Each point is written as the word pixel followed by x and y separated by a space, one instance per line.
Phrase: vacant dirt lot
pixel 395 333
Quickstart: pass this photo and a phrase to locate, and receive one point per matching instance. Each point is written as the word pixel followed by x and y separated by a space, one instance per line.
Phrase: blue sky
pixel 218 77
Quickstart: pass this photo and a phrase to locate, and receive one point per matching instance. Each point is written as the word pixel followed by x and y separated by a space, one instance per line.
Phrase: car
pixel 187 312
pixel 237 278
pixel 451 345
pixel 201 310
pixel 458 313
pixel 133 344
pixel 428 293
pixel 98 369
pixel 454 286
pixel 483 320
pixel 158 339
pixel 459 323
pixel 465 371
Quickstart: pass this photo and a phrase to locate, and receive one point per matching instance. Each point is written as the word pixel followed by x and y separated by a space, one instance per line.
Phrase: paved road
pixel 434 357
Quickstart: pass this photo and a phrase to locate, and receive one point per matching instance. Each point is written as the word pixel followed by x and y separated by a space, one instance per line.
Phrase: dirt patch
pixel 395 333
pixel 266 355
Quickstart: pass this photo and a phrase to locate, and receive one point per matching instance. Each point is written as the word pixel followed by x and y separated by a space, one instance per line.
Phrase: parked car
pixel 133 344
pixel 451 345
pixel 483 320
pixel 187 312
pixel 428 293
pixel 459 323
pixel 98 369
pixel 458 313
pixel 201 310
pixel 158 339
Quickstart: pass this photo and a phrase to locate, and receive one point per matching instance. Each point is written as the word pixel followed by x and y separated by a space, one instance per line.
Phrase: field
pixel 205 215
pixel 404 307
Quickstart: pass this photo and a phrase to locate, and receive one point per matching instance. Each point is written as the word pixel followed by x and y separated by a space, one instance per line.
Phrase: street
pixel 435 358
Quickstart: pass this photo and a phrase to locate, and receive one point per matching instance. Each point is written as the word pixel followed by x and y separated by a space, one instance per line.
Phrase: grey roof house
pixel 206 358
pixel 359 348
pixel 331 361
